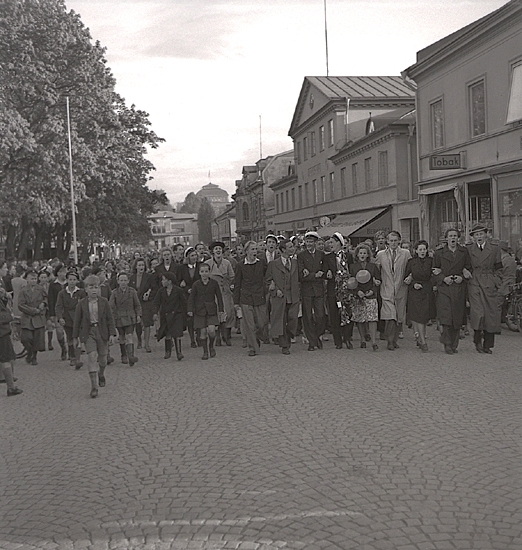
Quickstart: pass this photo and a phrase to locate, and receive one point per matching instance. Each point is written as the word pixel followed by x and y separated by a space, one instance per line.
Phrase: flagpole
pixel 73 208
pixel 326 39
pixel 260 140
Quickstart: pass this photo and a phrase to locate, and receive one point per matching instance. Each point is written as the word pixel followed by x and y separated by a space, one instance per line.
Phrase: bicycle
pixel 514 307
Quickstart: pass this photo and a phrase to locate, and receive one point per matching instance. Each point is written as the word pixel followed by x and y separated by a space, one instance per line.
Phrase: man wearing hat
pixel 332 262
pixel 486 266
pixel 271 251
pixel 312 271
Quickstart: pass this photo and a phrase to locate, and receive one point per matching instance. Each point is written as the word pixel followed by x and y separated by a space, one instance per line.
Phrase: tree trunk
pixel 23 244
pixel 39 231
pixel 10 242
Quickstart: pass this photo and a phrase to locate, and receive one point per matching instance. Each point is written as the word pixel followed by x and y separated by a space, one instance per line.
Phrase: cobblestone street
pixel 331 449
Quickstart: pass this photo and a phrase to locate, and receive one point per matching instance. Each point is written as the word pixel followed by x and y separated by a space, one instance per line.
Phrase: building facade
pixel 254 197
pixel 224 226
pixel 169 228
pixel 217 197
pixel 469 127
pixel 354 145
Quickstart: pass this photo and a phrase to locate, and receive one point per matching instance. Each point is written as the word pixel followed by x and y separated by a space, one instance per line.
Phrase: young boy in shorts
pixel 93 326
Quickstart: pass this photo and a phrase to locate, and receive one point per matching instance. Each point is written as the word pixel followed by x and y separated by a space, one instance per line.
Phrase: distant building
pixel 255 198
pixel 469 120
pixel 355 151
pixel 224 226
pixel 169 228
pixel 217 197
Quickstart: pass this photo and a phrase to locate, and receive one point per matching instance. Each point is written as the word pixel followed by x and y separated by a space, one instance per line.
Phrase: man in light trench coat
pixel 485 311
pixel 394 292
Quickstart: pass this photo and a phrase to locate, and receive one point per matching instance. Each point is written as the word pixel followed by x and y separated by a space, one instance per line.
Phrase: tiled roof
pixel 362 87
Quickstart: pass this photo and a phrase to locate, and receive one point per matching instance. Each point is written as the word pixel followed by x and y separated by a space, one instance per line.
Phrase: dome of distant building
pixel 213 193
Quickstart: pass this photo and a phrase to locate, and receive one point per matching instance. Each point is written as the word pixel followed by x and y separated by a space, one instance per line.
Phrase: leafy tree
pixel 191 204
pixel 46 55
pixel 206 215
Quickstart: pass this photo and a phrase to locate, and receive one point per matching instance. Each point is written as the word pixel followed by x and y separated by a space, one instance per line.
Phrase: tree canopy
pixel 47 55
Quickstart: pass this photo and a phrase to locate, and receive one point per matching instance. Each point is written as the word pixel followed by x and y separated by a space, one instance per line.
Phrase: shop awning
pixel 346 224
pixel 437 189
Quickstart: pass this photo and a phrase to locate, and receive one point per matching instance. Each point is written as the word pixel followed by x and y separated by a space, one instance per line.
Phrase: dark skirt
pixel 7 352
pixel 147 314
pixel 421 304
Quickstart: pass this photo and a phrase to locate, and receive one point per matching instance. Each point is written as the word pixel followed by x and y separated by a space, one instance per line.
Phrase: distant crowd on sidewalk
pixel 270 292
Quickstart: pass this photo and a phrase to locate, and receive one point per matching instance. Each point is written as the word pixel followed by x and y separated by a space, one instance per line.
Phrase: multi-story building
pixel 217 197
pixel 354 145
pixel 469 127
pixel 169 228
pixel 224 226
pixel 255 198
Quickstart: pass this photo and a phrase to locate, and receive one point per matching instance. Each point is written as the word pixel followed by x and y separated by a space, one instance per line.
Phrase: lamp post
pixel 73 208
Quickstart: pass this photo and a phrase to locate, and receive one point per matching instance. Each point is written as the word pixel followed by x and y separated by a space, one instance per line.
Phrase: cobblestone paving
pixel 331 449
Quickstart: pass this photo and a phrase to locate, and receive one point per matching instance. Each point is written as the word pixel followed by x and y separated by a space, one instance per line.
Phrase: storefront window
pixel 443 215
pixel 510 206
pixel 480 204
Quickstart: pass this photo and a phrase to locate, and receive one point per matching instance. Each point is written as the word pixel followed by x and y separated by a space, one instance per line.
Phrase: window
pixel 307 194
pixel 383 168
pixel 515 95
pixel 312 144
pixel 331 136
pixel 300 196
pixel 477 106
pixel 277 204
pixel 343 182
pixel 437 124
pixel 321 138
pixel 298 151
pixel 293 198
pixel 355 178
pixel 314 191
pixel 287 200
pixel 332 185
pixel 246 214
pixel 305 148
pixel 368 173
pixel 323 189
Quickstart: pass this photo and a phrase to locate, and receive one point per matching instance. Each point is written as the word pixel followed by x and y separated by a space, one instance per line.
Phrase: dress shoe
pixel 94 393
pixel 395 345
pixel 367 337
pixel 390 346
pixel 148 350
pixel 455 350
pixel 488 351
pixel 448 350
pixel 14 391
pixel 285 351
pixel 349 344
pixel 375 347
pixel 363 345
pixel 101 380
pixel 251 353
pixel 338 346
pixel 479 348
pixel 311 348
pixel 193 345
pixel 110 359
pixel 424 348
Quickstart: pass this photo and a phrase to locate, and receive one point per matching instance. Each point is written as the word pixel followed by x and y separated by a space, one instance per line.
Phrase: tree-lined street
pixel 330 449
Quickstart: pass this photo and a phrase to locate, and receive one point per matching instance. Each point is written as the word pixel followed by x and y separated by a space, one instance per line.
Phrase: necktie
pixel 394 255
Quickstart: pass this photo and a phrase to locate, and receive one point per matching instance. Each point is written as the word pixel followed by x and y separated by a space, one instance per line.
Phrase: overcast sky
pixel 205 70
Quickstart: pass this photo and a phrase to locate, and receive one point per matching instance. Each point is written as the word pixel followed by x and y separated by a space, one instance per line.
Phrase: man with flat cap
pixel 312 271
pixel 486 267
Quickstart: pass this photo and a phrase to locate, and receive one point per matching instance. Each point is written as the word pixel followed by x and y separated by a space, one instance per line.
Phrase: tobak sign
pixel 445 162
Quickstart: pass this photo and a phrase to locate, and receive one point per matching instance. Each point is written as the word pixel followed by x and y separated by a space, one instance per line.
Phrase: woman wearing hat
pixel 365 310
pixel 222 272
pixel 486 266
pixel 420 305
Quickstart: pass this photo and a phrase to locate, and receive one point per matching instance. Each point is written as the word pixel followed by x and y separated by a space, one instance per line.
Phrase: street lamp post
pixel 73 208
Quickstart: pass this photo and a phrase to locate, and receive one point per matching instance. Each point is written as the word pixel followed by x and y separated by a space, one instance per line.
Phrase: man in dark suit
pixel 187 275
pixel 311 265
pixel 283 287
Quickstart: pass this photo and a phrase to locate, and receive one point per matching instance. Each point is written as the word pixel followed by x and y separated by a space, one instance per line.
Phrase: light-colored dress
pixel 394 292
pixel 223 274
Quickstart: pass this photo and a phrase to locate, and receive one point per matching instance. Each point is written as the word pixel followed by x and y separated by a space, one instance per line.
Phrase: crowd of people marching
pixel 270 292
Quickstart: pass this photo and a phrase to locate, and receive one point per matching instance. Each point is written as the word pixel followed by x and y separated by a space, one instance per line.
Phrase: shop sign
pixel 445 162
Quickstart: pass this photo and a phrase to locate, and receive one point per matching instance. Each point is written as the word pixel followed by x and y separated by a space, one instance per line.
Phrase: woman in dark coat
pixel 420 305
pixel 170 306
pixel 188 274
pixel 145 285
